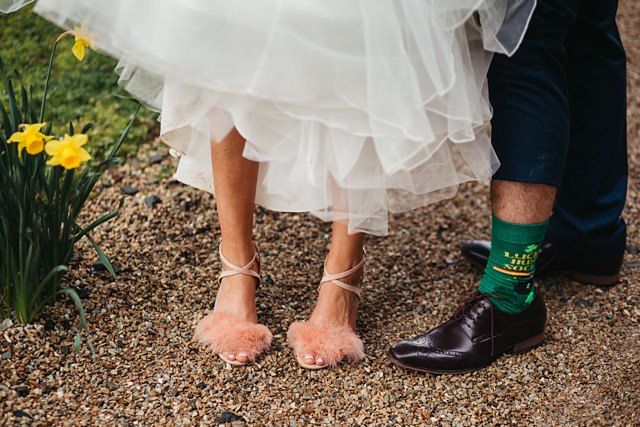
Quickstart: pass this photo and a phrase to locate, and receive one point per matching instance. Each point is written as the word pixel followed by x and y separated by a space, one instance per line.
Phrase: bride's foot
pixel 231 330
pixel 329 337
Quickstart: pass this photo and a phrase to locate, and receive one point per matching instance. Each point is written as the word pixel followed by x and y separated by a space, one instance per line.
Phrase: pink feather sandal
pixel 222 332
pixel 333 343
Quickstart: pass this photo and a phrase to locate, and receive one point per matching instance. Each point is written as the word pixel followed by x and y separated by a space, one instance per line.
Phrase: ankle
pixel 340 260
pixel 237 295
pixel 239 252
pixel 336 306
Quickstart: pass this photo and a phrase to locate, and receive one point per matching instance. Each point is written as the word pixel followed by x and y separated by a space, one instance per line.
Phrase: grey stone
pixel 130 191
pixel 152 200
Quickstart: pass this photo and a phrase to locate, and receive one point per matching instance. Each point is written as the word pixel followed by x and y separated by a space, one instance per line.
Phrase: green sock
pixel 512 263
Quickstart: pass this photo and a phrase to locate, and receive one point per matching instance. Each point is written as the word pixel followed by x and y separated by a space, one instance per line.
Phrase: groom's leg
pixel 529 96
pixel 586 222
pixel 530 131
pixel 519 222
pixel 586 235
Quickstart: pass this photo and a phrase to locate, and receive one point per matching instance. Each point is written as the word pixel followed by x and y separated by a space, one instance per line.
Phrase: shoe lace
pixel 469 303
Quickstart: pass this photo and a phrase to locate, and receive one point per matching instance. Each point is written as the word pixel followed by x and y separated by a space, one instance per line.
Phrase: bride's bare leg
pixel 335 304
pixel 336 307
pixel 235 180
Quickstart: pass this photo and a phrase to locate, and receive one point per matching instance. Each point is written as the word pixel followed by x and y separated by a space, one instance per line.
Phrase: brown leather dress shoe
pixel 475 336
pixel 553 261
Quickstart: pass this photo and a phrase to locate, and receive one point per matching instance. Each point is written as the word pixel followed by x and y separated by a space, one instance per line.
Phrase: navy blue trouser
pixel 560 119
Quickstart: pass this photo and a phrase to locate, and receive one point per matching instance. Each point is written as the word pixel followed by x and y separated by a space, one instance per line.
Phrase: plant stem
pixel 46 82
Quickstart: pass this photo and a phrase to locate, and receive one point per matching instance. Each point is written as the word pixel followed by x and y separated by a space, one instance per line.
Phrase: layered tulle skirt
pixel 354 108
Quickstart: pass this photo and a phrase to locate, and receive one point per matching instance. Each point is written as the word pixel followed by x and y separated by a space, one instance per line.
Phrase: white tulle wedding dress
pixel 354 108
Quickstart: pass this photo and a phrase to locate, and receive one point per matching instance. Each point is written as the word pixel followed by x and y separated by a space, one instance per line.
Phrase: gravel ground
pixel 147 372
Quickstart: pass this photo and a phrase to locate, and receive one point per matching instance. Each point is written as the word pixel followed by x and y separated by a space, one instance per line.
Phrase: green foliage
pixel 39 208
pixel 83 90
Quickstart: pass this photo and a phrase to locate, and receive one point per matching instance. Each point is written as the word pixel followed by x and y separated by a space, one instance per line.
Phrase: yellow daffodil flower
pixel 82 42
pixel 30 138
pixel 79 48
pixel 68 151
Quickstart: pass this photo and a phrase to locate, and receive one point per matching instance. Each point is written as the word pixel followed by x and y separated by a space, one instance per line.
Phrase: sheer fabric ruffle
pixel 354 109
pixel 8 6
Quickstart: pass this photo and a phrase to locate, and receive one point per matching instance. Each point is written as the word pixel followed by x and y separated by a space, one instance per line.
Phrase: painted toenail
pixel 319 361
pixel 242 354
pixel 231 356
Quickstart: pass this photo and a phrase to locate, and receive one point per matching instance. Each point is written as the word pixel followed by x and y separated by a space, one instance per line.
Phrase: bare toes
pixel 335 342
pixel 309 359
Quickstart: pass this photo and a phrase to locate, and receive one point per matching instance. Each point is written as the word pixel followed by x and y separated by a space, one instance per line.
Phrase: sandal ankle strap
pixel 334 278
pixel 234 270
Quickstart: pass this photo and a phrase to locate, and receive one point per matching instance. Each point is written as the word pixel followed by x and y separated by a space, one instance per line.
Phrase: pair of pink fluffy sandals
pixel 223 333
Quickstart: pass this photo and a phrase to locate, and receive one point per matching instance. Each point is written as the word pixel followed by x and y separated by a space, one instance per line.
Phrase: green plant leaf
pixel 87 127
pixel 102 256
pixel 13 105
pixel 97 222
pixel 84 325
pixel 25 102
pixel 59 269
pixel 6 122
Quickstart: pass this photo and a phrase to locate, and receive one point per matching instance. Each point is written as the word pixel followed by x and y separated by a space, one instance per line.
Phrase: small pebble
pixel 99 266
pixel 83 293
pixel 228 417
pixel 204 229
pixel 152 200
pixel 22 390
pixel 158 158
pixel 20 413
pixel 130 191
pixel 49 325
pixel 584 303
pixel 6 355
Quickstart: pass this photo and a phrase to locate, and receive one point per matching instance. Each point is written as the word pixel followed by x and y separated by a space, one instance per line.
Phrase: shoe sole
pixel 311 367
pixel 519 348
pixel 233 363
pixel 593 279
